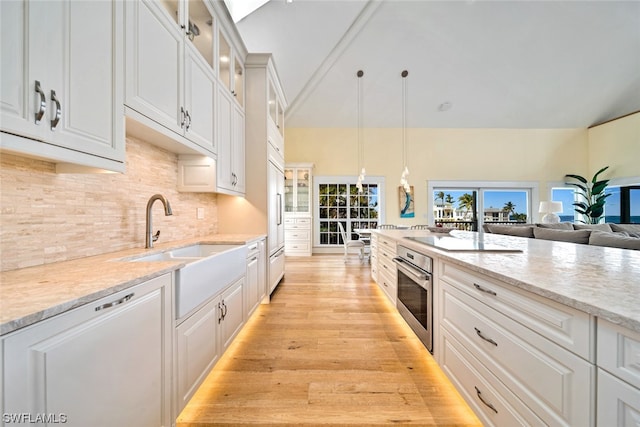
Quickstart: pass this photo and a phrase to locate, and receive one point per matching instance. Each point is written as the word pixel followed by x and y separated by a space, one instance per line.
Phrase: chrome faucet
pixel 150 237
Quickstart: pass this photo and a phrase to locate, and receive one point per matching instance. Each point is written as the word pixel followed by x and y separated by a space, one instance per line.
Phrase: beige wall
pixel 542 156
pixel 616 144
pixel 49 217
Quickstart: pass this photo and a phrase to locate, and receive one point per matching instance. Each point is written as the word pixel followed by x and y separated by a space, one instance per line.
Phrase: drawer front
pixel 303 221
pixel 389 285
pixel 567 327
pixel 555 383
pixel 618 402
pixel 492 402
pixel 619 351
pixel 297 246
pixel 296 235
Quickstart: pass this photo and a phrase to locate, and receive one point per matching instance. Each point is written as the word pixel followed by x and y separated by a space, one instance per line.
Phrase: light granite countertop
pixel 28 295
pixel 604 282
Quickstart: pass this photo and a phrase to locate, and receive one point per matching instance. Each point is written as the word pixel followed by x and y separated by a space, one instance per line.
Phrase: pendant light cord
pixel 360 154
pixel 404 74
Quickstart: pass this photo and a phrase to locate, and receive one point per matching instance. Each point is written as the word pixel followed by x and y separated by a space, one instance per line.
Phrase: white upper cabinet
pixel 170 77
pixel 62 81
pixel 230 120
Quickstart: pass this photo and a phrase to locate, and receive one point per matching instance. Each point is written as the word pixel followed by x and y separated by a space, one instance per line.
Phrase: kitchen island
pixel 546 333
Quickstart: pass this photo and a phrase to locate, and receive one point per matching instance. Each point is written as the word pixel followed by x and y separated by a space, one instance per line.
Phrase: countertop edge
pixel 592 308
pixel 29 283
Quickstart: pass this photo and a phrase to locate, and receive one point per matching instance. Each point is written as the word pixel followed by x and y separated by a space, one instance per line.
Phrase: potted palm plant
pixel 592 195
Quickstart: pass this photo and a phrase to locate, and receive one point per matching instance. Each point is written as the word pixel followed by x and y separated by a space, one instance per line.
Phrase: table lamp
pixel 550 209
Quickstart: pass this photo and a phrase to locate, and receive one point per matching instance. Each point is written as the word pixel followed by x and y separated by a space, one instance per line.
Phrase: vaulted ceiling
pixel 498 64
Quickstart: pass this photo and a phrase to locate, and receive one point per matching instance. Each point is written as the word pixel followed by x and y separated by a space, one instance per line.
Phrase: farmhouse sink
pixel 192 253
pixel 208 270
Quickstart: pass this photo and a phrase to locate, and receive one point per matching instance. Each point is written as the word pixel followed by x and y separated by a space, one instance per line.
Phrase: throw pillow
pixel 614 240
pixel 599 227
pixel 557 226
pixel 512 230
pixel 572 236
pixel 629 228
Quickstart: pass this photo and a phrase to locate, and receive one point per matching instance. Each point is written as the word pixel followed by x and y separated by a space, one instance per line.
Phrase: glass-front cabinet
pixel 297 209
pixel 297 189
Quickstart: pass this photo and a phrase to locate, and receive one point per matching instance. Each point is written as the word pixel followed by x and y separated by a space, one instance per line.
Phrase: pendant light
pixel 405 172
pixel 362 174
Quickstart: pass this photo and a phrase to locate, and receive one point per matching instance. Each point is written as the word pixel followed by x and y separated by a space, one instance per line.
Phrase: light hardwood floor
pixel 329 350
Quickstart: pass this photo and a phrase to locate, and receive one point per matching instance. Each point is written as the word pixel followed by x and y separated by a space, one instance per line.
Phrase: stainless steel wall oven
pixel 415 292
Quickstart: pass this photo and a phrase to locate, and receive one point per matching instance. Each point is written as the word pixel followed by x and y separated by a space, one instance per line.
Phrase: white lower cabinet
pixel 197 350
pixel 387 272
pixel 505 360
pixel 618 402
pixel 107 363
pixel 232 313
pixel 255 279
pixel 618 375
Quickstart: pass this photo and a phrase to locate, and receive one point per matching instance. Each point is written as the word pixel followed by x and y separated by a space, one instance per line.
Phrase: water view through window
pixel 468 208
pixel 623 205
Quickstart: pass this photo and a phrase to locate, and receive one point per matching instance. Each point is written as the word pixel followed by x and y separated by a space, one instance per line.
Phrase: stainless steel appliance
pixel 415 292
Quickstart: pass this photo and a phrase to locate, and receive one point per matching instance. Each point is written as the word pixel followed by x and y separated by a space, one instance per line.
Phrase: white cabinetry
pixel 230 117
pixel 514 353
pixel 197 351
pixel 103 364
pixel 297 207
pixel 231 146
pixel 170 79
pixel 256 274
pixel 373 260
pixel 264 169
pixel 387 272
pixel 232 313
pixel 618 375
pixel 297 236
pixel 61 88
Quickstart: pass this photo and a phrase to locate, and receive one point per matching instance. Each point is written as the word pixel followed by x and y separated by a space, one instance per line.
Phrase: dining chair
pixel 387 227
pixel 348 243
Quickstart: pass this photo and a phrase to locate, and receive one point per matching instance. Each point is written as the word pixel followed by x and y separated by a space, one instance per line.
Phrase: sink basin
pixel 199 280
pixel 163 256
pixel 200 251
pixel 193 253
pixel 208 270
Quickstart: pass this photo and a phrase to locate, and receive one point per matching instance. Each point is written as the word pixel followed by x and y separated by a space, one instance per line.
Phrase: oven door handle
pixel 411 271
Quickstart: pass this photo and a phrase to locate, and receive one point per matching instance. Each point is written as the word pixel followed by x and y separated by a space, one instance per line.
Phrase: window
pixel 623 204
pixel 338 200
pixel 466 206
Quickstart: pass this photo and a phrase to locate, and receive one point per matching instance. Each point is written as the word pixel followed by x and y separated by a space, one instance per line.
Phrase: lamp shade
pixel 550 207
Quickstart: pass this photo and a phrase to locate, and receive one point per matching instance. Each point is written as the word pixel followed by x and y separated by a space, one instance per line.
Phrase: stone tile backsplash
pixel 49 217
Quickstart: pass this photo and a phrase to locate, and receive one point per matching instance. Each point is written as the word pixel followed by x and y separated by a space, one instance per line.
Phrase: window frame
pixel 532 187
pixel 349 181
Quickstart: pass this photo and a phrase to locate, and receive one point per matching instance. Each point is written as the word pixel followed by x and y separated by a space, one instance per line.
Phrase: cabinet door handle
pixel 489 340
pixel 56 119
pixel 486 291
pixel 42 107
pixel 188 120
pixel 224 312
pixel 220 317
pixel 116 302
pixel 183 117
pixel 489 405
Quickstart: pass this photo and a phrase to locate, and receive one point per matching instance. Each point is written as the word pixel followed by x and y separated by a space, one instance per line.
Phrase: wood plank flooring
pixel 329 350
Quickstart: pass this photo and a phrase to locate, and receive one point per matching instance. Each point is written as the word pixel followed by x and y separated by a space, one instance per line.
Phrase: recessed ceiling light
pixel 445 106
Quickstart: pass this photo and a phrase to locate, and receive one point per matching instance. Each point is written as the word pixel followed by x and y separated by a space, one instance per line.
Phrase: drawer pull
pixel 489 340
pixel 42 105
pixel 489 405
pixel 486 291
pixel 116 302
